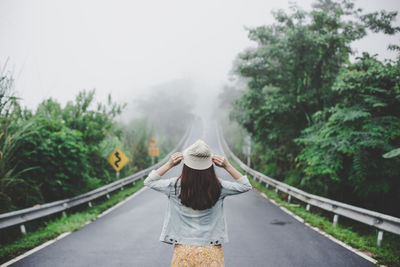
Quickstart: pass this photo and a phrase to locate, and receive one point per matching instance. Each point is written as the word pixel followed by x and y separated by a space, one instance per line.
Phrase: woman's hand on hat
pixel 175 159
pixel 220 161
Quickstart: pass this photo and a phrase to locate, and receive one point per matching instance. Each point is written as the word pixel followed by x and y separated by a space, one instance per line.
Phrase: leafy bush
pixel 62 159
pixel 342 152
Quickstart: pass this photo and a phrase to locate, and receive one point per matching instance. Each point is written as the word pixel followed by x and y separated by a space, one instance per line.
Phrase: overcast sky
pixel 57 48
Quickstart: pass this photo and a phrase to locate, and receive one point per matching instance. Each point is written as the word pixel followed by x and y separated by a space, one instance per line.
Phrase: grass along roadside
pixel 359 236
pixel 63 224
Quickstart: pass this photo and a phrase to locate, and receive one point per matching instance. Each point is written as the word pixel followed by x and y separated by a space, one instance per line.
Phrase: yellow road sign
pixel 153 141
pixel 154 151
pixel 118 159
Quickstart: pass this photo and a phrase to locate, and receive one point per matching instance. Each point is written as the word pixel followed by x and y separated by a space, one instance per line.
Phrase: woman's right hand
pixel 220 161
pixel 175 159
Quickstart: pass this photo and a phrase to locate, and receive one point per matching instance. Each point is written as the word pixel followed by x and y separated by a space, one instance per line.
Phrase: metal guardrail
pixel 381 221
pixel 19 217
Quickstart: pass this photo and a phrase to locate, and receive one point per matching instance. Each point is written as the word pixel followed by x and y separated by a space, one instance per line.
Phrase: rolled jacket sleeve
pixel 240 185
pixel 155 182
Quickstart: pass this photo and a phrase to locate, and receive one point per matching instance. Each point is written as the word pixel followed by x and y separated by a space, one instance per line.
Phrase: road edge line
pixel 341 243
pixel 29 252
pixel 61 236
pixel 144 188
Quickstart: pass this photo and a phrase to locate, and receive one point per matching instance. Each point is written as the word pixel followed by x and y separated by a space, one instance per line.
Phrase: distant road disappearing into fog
pixel 260 234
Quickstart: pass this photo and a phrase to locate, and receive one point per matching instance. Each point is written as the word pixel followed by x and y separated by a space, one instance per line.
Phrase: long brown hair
pixel 200 189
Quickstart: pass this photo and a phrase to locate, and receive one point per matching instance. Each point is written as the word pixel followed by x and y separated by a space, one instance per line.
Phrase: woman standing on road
pixel 195 221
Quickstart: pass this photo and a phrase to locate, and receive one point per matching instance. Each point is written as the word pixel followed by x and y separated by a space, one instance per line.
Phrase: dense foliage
pixel 319 121
pixel 343 150
pixel 14 190
pixel 54 152
pixel 57 152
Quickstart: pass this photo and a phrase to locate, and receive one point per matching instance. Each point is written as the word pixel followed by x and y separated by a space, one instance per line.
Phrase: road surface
pixel 260 234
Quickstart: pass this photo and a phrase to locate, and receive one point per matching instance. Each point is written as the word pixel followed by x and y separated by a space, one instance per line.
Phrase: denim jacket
pixel 184 225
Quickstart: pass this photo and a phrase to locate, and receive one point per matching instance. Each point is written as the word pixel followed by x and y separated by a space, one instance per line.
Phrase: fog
pixel 127 48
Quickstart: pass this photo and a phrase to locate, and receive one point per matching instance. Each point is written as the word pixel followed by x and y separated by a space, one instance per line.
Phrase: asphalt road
pixel 260 233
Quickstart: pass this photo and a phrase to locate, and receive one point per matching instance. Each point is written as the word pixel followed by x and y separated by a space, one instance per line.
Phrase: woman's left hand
pixel 175 159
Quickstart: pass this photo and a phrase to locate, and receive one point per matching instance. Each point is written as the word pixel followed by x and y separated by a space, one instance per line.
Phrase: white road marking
pixel 361 254
pixel 144 188
pixel 29 252
pixel 219 142
pixel 35 249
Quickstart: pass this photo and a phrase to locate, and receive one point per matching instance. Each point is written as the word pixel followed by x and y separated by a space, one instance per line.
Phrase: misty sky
pixel 56 48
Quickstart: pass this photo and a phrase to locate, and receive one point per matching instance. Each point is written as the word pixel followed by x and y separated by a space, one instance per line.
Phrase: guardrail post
pixel 380 237
pixel 122 188
pixel 276 190
pixel 90 204
pixel 64 214
pixel 23 230
pixel 134 183
pixel 267 185
pixel 108 196
pixel 289 198
pixel 308 207
pixel 335 220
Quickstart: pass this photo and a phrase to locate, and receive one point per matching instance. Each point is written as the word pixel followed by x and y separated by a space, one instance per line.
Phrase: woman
pixel 195 221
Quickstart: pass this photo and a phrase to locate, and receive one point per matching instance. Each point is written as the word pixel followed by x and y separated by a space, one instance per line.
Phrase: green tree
pixel 55 152
pixel 95 125
pixel 292 70
pixel 342 151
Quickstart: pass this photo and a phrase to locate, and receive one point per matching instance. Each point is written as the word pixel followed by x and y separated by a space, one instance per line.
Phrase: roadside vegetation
pixel 318 119
pixel 357 235
pixel 56 152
